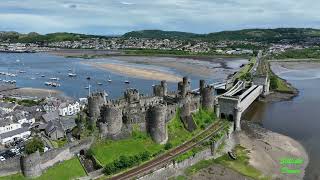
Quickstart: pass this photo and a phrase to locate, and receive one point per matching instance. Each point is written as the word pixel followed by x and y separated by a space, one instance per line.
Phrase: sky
pixel 115 17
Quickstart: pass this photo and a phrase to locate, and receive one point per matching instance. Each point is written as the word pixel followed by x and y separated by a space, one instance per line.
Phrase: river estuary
pixel 34 69
pixel 297 118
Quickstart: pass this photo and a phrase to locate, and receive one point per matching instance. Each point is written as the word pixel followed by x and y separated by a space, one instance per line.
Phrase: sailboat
pixel 72 74
pixel 109 80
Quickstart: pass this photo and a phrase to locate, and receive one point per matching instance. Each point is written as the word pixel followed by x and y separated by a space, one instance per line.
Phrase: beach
pixel 137 72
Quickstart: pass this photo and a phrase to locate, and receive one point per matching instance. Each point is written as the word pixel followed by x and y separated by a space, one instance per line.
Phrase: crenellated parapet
pixel 132 95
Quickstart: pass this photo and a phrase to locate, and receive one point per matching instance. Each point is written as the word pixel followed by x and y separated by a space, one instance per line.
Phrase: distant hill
pixel 270 35
pixel 35 37
pixel 258 35
pixel 158 34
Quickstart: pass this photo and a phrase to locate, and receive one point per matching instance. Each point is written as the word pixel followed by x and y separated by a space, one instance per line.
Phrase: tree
pixel 33 145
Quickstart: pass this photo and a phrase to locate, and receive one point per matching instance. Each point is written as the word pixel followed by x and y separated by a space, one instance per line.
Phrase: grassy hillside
pixel 35 37
pixel 268 35
pixel 259 35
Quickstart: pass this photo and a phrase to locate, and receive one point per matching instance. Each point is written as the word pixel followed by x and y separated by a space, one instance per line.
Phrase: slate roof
pixel 14 132
pixel 50 116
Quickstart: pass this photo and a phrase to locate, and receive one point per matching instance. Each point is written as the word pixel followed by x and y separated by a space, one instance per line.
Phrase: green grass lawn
pixel 18 176
pixel 69 169
pixel 178 134
pixel 66 170
pixel 241 164
pixel 108 151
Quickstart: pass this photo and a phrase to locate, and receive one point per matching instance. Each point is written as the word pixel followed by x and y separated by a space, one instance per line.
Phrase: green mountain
pixel 35 37
pixel 258 35
pixel 269 35
pixel 158 34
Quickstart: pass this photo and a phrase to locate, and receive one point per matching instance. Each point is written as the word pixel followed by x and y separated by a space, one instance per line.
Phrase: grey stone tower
pixel 184 87
pixel 95 101
pixel 111 116
pixel 30 165
pixel 131 95
pixel 207 97
pixel 161 90
pixel 157 124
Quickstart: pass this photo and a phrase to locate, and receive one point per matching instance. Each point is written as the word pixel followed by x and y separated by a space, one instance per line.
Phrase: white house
pixel 13 122
pixel 11 136
pixel 69 109
pixel 7 125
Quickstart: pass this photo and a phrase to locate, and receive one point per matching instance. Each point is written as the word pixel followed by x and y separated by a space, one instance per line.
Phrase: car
pixel 2 158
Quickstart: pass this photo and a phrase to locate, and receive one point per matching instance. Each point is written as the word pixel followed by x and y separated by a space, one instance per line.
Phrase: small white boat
pixel 22 71
pixel 54 79
pixel 99 83
pixel 42 75
pixel 72 74
pixel 127 81
pixel 109 80
pixel 32 78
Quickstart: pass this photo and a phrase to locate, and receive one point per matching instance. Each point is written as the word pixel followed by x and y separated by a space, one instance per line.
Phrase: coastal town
pixel 234 47
pixel 51 118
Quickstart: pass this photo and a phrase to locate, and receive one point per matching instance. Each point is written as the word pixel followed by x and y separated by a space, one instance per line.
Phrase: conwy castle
pixel 117 118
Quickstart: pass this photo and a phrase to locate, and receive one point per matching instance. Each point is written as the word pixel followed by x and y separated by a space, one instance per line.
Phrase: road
pixel 167 157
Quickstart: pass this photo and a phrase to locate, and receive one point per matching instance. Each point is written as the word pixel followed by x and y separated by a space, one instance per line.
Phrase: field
pixel 178 134
pixel 241 164
pixel 108 151
pixel 66 170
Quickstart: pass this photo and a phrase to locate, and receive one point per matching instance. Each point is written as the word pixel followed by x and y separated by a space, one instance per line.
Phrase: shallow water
pixel 51 66
pixel 298 118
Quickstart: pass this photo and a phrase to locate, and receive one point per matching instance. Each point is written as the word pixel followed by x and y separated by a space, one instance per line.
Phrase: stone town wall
pixel 10 166
pixel 33 165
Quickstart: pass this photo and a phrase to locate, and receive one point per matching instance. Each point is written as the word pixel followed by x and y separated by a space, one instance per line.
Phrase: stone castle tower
pixel 157 124
pixel 184 87
pixel 132 95
pixel 111 120
pixel 95 101
pixel 161 90
pixel 207 97
pixel 30 165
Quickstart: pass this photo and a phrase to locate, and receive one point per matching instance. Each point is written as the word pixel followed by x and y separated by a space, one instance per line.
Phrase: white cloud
pixel 118 16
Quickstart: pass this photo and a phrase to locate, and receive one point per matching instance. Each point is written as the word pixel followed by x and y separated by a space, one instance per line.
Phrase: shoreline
pixel 267 148
pixel 93 54
pixel 137 72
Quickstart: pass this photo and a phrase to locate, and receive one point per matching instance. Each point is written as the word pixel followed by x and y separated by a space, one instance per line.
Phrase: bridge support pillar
pixel 217 110
pixel 237 119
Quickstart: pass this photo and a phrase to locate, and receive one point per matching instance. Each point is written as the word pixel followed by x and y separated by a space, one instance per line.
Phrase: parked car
pixel 2 158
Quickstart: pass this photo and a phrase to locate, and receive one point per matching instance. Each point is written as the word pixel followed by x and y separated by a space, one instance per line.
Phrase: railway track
pixel 167 157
